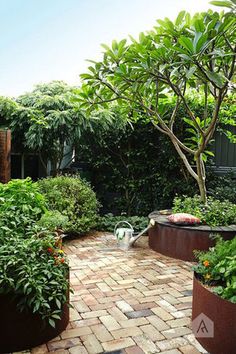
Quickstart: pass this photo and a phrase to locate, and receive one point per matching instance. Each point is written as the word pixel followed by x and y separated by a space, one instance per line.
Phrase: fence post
pixel 5 155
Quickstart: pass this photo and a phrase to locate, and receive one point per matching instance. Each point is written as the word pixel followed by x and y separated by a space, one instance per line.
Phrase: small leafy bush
pixel 73 198
pixel 21 204
pixel 215 213
pixel 109 221
pixel 53 220
pixel 217 268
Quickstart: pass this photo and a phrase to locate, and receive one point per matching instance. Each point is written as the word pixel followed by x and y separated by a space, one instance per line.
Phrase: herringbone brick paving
pixel 125 302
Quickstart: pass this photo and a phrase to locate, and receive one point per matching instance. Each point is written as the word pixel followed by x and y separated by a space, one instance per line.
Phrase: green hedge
pixel 135 169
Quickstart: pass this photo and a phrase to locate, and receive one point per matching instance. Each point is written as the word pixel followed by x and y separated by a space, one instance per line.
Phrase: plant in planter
pixel 214 295
pixel 215 213
pixel 35 270
pixel 34 289
pixel 34 273
pixel 217 268
pixel 172 238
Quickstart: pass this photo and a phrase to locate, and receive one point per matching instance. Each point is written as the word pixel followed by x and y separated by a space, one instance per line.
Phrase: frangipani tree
pixel 195 53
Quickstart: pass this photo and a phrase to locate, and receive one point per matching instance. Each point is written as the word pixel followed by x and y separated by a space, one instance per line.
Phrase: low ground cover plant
pixel 217 268
pixel 214 213
pixel 109 221
pixel 73 198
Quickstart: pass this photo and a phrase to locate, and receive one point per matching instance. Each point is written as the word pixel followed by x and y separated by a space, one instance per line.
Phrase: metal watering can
pixel 126 236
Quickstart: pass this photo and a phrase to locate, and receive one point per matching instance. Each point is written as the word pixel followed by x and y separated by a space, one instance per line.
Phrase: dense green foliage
pixel 223 187
pixel 46 120
pixel 21 205
pixel 32 267
pixel 134 169
pixel 53 220
pixel 73 198
pixel 217 268
pixel 109 221
pixel 215 213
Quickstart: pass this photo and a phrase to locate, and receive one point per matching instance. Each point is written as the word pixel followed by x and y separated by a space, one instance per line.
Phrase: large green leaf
pixel 222 3
pixel 180 18
pixel 186 43
pixel 216 78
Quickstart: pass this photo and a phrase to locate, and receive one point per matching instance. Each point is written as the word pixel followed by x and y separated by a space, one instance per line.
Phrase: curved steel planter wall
pixel 24 330
pixel 180 241
pixel 223 315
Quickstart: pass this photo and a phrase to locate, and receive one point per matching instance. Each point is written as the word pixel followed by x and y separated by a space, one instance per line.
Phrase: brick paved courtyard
pixel 125 302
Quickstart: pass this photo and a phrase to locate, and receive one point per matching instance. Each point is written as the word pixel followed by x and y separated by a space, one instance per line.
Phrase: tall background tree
pixel 47 120
pixel 174 58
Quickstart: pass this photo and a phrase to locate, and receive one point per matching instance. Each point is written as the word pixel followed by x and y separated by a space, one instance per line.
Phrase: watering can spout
pixel 133 239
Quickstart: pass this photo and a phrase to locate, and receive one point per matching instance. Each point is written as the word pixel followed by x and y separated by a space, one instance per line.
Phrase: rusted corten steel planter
pixel 180 241
pixel 24 330
pixel 223 315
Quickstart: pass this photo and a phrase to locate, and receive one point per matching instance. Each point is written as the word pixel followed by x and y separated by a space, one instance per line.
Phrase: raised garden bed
pixel 24 330
pixel 221 312
pixel 180 241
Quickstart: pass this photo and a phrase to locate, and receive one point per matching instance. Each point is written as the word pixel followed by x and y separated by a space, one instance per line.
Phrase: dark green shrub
pixel 73 198
pixel 215 213
pixel 217 268
pixel 223 187
pixel 109 221
pixel 133 169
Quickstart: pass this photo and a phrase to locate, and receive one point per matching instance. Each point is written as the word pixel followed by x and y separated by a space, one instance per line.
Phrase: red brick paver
pixel 131 302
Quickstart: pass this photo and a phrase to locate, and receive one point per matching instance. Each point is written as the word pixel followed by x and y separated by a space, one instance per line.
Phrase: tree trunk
pixel 201 180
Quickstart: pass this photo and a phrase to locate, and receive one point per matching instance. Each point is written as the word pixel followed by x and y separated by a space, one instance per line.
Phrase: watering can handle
pixel 122 222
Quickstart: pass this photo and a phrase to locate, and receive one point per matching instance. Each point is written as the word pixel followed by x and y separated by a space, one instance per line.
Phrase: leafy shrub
pixel 53 220
pixel 35 271
pixel 21 204
pixel 73 198
pixel 215 213
pixel 217 268
pixel 109 221
pixel 32 266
